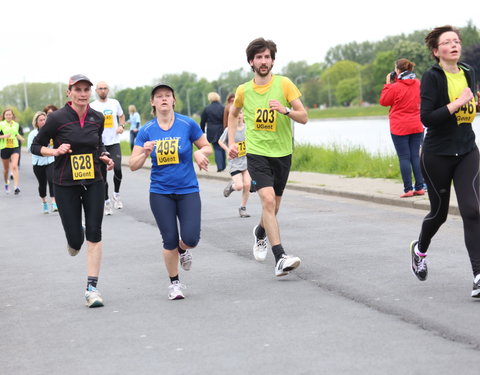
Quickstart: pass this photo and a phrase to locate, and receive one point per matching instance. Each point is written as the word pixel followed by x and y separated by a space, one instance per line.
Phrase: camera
pixel 393 77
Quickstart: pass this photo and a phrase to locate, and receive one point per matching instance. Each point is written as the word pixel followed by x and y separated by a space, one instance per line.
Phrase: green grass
pixel 351 162
pixel 346 161
pixel 345 112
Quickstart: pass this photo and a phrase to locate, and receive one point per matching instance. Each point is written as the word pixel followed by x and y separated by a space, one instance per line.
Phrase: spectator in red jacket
pixel 402 93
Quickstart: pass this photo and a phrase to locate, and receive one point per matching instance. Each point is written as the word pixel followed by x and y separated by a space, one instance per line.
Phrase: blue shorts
pixel 187 208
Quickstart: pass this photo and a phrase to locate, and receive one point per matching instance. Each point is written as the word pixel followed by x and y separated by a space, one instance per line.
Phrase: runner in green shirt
pixel 269 103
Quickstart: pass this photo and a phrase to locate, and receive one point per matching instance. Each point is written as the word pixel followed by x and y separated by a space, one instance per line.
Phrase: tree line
pixel 352 74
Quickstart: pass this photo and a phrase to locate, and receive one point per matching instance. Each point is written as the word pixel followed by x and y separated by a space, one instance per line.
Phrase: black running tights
pixel 439 171
pixel 70 200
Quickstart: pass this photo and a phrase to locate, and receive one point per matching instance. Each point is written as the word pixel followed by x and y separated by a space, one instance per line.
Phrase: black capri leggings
pixel 44 175
pixel 439 171
pixel 70 200
pixel 116 155
pixel 187 207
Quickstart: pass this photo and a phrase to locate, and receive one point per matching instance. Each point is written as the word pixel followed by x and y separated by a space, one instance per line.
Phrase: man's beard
pixel 260 73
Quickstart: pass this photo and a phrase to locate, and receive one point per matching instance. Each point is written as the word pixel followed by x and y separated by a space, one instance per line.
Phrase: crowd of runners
pixel 74 147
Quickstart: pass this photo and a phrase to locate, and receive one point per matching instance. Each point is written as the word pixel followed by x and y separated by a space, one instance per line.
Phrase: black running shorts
pixel 268 171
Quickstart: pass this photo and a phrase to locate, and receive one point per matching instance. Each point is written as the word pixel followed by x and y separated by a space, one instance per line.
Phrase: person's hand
pixel 233 151
pixel 277 106
pixel 201 160
pixel 465 97
pixel 135 130
pixel 109 162
pixel 63 149
pixel 148 147
pixel 387 79
pixel 120 129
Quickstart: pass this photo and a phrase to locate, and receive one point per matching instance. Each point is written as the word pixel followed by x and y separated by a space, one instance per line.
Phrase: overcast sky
pixel 132 43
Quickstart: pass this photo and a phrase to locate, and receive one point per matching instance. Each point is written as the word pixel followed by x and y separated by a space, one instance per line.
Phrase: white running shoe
pixel 260 247
pixel 286 264
pixel 93 297
pixel 117 203
pixel 108 209
pixel 186 260
pixel 175 290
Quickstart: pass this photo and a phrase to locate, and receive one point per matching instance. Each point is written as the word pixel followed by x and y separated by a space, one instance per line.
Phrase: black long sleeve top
pixel 444 136
pixel 85 137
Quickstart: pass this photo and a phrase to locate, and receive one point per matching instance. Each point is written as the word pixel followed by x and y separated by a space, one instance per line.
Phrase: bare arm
pixel 232 130
pixel 139 155
pixel 297 113
pixel 201 155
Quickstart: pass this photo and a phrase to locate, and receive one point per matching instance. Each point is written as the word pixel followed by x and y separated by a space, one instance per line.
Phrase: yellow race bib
pixel 242 151
pixel 10 142
pixel 82 166
pixel 265 119
pixel 167 152
pixel 108 114
pixel 466 113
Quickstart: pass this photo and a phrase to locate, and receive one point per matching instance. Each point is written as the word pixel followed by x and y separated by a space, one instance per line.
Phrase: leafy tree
pixel 470 35
pixel 415 52
pixel 333 75
pixel 359 52
pixel 347 90
pixel 471 56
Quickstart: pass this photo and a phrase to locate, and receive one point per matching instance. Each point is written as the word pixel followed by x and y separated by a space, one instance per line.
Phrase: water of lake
pixel 373 134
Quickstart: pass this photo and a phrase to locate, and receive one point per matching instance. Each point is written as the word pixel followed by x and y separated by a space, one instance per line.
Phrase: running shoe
pixel 476 287
pixel 45 208
pixel 16 191
pixel 93 297
pixel 286 264
pixel 408 194
pixel 117 203
pixel 108 209
pixel 243 212
pixel 419 192
pixel 54 207
pixel 419 263
pixel 228 190
pixel 72 251
pixel 260 247
pixel 175 290
pixel 7 189
pixel 186 260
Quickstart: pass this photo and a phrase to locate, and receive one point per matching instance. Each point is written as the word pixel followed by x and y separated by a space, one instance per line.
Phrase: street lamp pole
pixel 188 102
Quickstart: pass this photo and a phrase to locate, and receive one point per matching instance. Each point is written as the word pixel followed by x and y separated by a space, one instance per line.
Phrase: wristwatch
pixel 287 111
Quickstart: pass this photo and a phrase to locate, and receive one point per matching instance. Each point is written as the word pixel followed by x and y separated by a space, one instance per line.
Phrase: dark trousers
pixel 116 155
pixel 44 175
pixel 439 172
pixel 408 151
pixel 219 156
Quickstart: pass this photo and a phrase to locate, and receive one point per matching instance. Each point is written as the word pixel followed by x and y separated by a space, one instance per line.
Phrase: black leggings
pixel 44 175
pixel 70 200
pixel 116 155
pixel 439 171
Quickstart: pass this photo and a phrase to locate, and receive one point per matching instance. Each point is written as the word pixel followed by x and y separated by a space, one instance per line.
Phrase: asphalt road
pixel 353 307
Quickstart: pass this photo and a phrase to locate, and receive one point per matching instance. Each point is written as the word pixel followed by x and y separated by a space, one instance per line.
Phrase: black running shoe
pixel 419 263
pixel 476 287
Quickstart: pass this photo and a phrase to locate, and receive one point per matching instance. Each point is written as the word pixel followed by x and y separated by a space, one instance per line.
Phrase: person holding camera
pixel 402 93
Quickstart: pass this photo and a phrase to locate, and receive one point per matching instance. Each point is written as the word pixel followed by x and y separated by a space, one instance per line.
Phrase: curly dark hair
pixel 259 45
pixel 431 40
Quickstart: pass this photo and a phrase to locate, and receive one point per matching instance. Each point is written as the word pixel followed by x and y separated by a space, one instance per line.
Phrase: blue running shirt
pixel 172 166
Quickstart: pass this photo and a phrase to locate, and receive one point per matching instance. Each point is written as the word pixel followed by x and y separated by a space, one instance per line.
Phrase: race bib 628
pixel 82 166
